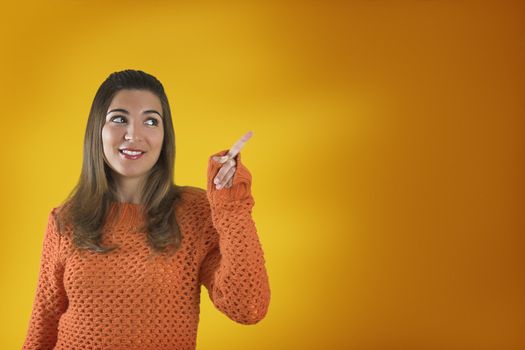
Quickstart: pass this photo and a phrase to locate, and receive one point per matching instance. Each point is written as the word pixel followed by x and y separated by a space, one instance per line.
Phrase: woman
pixel 125 254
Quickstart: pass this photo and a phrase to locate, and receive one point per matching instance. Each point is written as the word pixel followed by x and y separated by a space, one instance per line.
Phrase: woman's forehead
pixel 135 101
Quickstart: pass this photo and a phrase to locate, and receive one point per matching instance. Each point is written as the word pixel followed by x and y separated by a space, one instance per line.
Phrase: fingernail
pixel 216 181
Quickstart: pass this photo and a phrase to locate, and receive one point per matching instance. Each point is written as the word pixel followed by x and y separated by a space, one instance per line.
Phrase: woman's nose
pixel 133 131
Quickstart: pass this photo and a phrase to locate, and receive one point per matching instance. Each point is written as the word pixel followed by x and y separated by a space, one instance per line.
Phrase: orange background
pixel 387 155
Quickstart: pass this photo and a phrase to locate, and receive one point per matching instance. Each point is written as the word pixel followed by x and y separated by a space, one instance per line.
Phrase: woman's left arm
pixel 233 268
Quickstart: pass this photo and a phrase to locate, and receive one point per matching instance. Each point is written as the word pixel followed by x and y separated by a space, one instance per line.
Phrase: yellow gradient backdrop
pixel 387 155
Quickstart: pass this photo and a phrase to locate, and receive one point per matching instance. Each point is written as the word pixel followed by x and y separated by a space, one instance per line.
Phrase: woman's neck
pixel 128 190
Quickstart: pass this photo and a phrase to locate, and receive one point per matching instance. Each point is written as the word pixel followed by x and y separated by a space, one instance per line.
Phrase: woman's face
pixel 133 121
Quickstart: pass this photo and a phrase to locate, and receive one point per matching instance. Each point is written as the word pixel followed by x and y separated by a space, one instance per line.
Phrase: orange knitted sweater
pixel 129 299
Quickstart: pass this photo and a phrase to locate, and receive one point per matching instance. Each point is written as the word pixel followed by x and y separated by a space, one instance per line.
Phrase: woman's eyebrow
pixel 126 112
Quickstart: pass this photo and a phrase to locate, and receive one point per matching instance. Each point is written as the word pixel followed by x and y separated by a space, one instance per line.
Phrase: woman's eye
pixel 155 121
pixel 116 117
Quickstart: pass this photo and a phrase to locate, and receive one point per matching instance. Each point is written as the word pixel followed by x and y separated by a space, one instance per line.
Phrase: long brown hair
pixel 87 206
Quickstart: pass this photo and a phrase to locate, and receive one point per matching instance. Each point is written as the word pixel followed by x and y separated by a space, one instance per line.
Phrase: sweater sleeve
pixel 233 269
pixel 50 300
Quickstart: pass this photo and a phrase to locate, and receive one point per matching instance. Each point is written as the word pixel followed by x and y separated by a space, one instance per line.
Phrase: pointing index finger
pixel 236 148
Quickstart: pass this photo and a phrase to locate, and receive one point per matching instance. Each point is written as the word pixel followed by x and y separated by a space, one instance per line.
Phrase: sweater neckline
pixel 126 214
pixel 126 204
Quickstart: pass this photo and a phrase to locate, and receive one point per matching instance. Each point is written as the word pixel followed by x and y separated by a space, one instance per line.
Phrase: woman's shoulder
pixel 193 195
pixel 58 220
pixel 194 206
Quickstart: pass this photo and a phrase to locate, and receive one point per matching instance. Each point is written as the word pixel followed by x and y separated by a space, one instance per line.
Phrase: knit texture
pixel 130 299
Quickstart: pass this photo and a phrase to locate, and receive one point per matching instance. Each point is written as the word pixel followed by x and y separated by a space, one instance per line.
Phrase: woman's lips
pixel 129 156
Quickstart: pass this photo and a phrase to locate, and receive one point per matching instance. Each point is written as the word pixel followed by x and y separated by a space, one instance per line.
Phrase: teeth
pixel 131 153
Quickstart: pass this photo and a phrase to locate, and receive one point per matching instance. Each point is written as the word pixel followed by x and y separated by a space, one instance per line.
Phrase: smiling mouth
pixel 130 154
